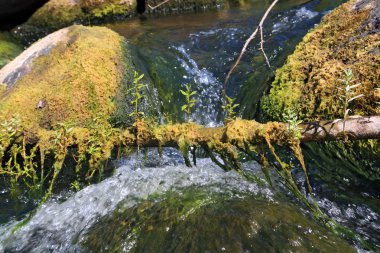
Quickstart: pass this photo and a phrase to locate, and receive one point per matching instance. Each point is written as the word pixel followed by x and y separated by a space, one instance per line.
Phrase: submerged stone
pixel 197 221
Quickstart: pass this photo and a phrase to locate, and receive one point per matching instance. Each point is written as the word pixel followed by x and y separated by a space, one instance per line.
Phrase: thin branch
pixel 158 5
pixel 262 47
pixel 253 35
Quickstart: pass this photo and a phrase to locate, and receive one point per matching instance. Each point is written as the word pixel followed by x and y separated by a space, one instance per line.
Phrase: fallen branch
pixel 158 5
pixel 359 128
pixel 248 41
pixel 248 131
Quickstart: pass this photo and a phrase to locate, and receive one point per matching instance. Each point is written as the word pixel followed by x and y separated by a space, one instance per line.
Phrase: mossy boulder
pixel 9 48
pixel 71 76
pixel 310 81
pixel 310 85
pixel 56 14
pixel 184 5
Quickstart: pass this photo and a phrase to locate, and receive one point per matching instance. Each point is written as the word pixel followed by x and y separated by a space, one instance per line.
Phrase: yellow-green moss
pixel 9 49
pixel 309 81
pixel 77 80
pixel 100 9
pixel 56 14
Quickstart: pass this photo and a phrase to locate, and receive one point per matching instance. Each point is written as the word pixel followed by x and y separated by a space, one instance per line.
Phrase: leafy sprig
pixel 229 107
pixel 190 101
pixel 137 93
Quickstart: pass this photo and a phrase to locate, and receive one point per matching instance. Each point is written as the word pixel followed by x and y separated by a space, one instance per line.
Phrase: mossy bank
pixel 310 84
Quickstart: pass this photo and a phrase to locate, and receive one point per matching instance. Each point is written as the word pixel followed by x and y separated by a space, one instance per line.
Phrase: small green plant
pixel 190 102
pixel 291 118
pixel 75 186
pixel 229 107
pixel 348 93
pixel 137 87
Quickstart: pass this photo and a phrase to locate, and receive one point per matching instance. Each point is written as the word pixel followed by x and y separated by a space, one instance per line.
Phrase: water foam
pixel 208 88
pixel 55 225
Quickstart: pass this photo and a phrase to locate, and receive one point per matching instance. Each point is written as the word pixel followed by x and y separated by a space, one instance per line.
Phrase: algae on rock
pixel 309 80
pixel 74 82
pixel 70 79
pixel 57 14
pixel 9 48
pixel 309 83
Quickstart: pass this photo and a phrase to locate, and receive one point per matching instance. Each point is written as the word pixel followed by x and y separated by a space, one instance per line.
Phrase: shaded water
pixel 154 204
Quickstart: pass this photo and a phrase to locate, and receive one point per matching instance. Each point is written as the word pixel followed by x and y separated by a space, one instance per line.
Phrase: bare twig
pixel 158 5
pixel 262 47
pixel 253 35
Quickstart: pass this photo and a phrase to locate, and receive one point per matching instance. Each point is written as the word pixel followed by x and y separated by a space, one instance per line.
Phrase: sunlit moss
pixel 77 81
pixel 309 80
pixel 9 49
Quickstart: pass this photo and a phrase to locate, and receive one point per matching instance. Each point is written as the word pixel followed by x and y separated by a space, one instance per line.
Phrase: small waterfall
pixel 209 89
pixel 56 225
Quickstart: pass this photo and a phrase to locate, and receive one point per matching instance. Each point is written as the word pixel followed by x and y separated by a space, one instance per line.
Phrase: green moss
pixel 56 14
pixel 187 5
pixel 309 81
pixel 78 81
pixel 9 49
pixel 99 9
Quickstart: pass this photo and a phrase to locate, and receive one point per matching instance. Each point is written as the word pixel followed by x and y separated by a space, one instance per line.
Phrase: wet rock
pixel 57 14
pixel 77 71
pixel 347 38
pixel 9 48
pixel 310 84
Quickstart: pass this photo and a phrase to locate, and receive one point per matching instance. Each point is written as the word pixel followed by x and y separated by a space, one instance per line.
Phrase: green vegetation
pixel 136 91
pixel 190 102
pixel 291 118
pixel 78 82
pixel 342 47
pixel 308 79
pixel 348 93
pixel 230 107
pixel 56 14
pixel 9 49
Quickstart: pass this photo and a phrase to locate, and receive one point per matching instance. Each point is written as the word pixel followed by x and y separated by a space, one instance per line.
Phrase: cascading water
pixel 122 207
pixel 156 204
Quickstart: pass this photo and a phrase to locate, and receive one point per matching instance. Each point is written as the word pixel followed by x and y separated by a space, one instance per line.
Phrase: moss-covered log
pixel 238 132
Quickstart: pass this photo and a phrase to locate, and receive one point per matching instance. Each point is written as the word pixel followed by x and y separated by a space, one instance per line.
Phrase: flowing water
pixel 156 204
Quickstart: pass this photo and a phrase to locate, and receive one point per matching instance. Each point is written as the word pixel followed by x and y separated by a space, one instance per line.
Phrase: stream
pixel 154 203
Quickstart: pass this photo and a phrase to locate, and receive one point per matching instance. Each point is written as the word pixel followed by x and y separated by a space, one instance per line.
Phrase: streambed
pixel 159 205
